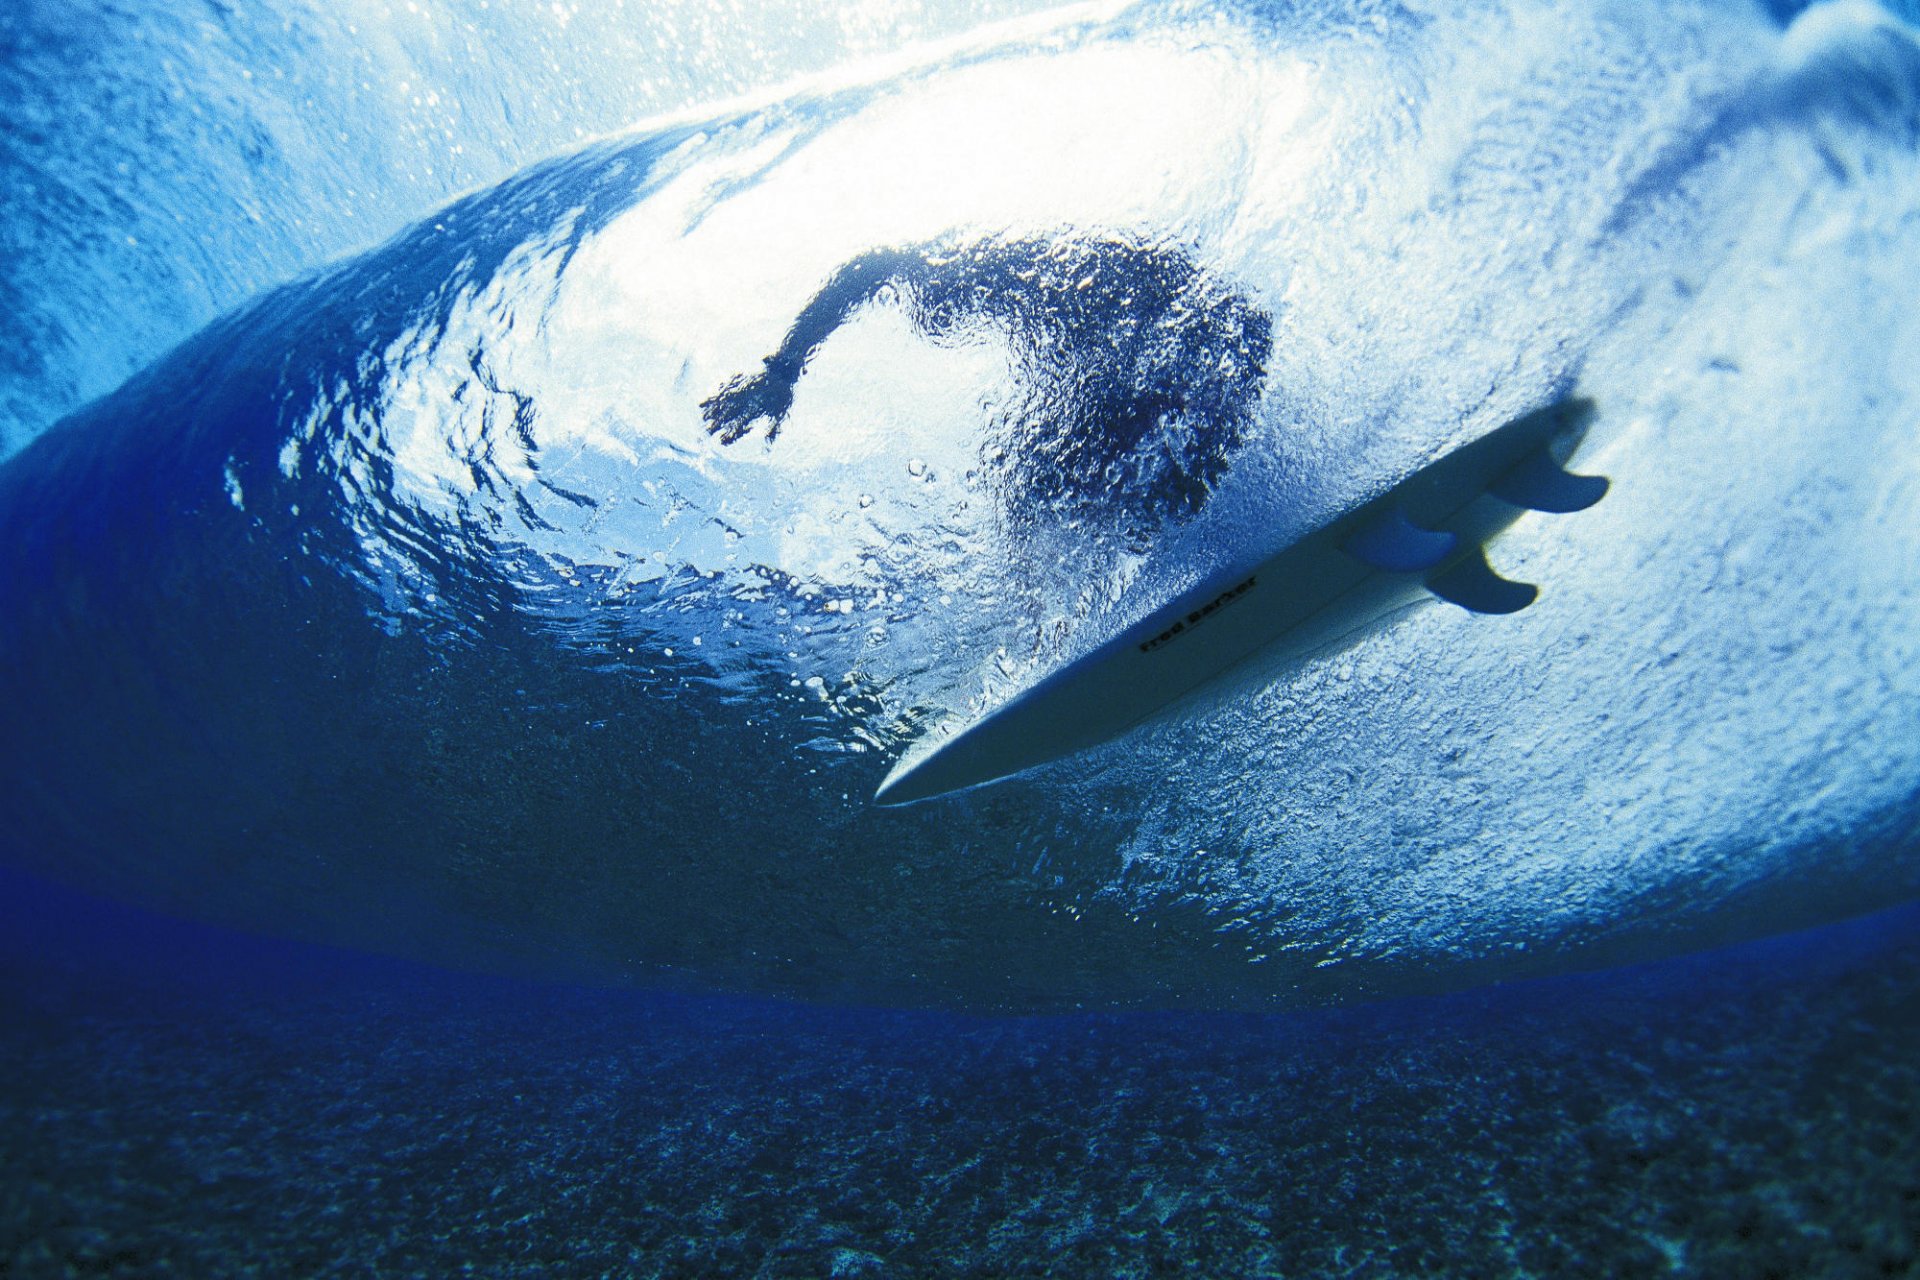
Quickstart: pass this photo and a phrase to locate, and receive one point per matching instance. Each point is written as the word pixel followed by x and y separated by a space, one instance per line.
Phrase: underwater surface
pixel 186 1102
pixel 489 490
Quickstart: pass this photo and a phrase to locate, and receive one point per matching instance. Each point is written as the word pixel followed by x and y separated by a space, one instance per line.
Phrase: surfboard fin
pixel 1539 483
pixel 1473 585
pixel 1396 544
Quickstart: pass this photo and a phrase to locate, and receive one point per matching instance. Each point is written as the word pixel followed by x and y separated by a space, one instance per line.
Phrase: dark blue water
pixel 182 1101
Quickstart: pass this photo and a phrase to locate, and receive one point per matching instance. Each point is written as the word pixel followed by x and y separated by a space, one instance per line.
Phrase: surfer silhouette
pixel 1138 370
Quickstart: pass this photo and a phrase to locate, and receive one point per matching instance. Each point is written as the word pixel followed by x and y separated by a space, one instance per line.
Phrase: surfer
pixel 1138 370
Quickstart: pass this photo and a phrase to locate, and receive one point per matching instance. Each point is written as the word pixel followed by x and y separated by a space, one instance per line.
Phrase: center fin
pixel 1396 544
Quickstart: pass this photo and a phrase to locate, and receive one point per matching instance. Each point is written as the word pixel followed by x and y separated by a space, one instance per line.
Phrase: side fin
pixel 1473 585
pixel 1541 484
pixel 1397 545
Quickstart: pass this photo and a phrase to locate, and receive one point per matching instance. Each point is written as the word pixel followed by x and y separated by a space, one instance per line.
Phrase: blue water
pixel 547 588
pixel 487 491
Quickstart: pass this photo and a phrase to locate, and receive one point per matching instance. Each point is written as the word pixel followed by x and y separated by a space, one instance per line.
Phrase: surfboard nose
pixel 907 782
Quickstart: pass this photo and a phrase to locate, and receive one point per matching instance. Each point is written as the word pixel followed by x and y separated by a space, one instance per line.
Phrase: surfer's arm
pixel 744 400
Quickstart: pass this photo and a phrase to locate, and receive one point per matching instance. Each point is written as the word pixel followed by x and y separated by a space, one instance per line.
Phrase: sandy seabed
pixel 176 1101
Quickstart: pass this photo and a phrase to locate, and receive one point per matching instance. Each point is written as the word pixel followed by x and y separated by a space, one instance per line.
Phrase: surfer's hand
pixel 732 412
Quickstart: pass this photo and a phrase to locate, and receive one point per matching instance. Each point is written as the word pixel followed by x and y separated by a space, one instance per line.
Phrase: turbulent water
pixel 548 588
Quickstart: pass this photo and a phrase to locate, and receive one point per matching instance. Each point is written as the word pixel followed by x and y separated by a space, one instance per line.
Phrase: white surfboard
pixel 1425 535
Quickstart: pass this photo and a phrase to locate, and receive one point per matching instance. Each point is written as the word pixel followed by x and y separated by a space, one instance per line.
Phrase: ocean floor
pixel 179 1101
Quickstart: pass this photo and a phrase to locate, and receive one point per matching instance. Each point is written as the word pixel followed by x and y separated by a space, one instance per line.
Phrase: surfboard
pixel 1424 536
